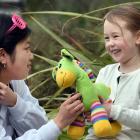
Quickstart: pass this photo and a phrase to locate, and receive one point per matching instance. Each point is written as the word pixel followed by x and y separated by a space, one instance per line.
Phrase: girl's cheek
pixel 106 47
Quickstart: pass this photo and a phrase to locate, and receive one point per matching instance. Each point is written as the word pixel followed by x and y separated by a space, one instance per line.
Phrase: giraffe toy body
pixel 68 73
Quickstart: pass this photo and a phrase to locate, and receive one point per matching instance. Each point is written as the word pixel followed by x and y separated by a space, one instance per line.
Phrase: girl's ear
pixel 2 56
pixel 138 38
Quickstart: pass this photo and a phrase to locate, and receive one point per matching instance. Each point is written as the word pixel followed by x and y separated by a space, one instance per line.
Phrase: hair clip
pixel 17 22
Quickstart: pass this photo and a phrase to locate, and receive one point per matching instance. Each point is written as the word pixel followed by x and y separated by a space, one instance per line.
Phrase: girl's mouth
pixel 115 51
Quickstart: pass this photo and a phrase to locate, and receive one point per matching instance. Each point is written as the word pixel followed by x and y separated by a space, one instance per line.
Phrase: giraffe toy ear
pixel 67 54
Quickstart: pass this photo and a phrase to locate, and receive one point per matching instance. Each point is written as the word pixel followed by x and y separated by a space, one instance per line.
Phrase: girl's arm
pixel 126 116
pixel 26 114
pixel 50 131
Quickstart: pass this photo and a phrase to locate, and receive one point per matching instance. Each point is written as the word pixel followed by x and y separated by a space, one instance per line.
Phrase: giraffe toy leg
pixel 99 118
pixel 77 128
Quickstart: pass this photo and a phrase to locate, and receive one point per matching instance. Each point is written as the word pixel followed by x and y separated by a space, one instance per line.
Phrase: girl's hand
pixel 7 96
pixel 107 106
pixel 68 111
pixel 106 103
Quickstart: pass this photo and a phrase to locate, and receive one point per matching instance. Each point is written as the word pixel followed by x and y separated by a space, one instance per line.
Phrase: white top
pixel 25 115
pixel 125 92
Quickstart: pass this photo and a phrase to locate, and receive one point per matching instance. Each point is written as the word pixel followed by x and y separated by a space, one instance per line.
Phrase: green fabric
pixel 83 84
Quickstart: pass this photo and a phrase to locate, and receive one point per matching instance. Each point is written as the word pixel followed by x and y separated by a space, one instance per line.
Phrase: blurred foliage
pixel 74 25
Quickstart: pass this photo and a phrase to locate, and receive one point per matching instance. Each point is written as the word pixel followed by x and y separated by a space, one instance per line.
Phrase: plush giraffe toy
pixel 68 73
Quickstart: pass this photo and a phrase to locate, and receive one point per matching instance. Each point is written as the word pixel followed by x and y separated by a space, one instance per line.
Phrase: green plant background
pixel 72 24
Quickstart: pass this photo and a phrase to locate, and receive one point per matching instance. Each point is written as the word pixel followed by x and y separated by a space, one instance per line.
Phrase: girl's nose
pixel 110 43
pixel 31 56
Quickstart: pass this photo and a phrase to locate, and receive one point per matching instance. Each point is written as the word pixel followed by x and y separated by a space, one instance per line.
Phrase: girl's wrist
pixel 59 122
pixel 13 101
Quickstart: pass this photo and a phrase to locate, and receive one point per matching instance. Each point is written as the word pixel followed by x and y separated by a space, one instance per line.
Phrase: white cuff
pixel 50 131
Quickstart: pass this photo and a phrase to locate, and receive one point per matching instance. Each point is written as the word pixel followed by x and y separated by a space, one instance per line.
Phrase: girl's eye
pixel 115 36
pixel 27 48
pixel 106 38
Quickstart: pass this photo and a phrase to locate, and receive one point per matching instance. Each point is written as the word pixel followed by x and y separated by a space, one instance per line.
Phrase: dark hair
pixel 9 40
pixel 129 13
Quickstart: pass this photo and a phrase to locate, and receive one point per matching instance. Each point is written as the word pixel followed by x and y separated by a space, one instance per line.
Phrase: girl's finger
pixel 102 100
pixel 2 93
pixel 1 97
pixel 108 101
pixel 2 85
pixel 73 105
pixel 79 107
pixel 72 99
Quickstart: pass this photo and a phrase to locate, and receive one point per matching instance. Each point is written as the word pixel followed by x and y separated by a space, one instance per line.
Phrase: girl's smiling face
pixel 120 43
pixel 20 67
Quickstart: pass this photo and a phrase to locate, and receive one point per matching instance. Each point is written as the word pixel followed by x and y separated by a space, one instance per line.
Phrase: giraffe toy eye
pixel 60 65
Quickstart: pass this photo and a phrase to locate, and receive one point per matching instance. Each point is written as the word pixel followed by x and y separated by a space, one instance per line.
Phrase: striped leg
pixel 77 128
pixel 99 118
